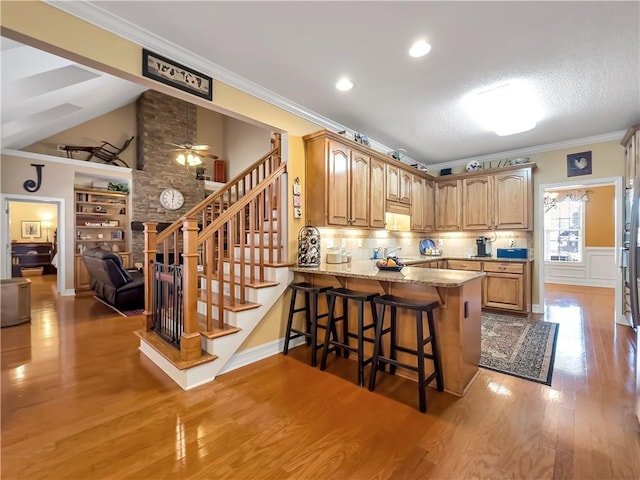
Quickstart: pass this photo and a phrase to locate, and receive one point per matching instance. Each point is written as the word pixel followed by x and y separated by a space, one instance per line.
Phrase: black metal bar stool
pixel 361 298
pixel 310 308
pixel 419 307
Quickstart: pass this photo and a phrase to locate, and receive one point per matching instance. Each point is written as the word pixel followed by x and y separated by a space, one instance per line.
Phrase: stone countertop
pixel 432 258
pixel 366 269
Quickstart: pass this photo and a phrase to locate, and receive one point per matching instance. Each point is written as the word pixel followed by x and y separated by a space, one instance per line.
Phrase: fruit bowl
pixel 397 268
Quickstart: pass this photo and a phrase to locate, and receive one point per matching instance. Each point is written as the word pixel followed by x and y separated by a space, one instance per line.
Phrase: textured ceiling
pixel 581 58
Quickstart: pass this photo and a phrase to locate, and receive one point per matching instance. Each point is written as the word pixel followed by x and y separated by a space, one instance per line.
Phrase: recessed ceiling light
pixel 506 109
pixel 344 84
pixel 419 49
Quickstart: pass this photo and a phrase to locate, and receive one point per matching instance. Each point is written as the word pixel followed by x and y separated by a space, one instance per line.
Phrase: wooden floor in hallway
pixel 79 401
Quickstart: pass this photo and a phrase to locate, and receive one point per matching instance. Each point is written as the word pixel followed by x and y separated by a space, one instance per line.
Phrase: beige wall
pixel 39 212
pixel 115 127
pixel 246 143
pixel 210 131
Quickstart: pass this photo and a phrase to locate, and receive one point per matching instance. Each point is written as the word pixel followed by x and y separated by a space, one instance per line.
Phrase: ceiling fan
pixel 190 153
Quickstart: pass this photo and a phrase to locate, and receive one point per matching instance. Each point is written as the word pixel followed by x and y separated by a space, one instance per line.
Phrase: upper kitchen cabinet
pixel 513 199
pixel 448 204
pixel 398 184
pixel 377 194
pixel 352 185
pixel 422 205
pixel 477 211
pixel 345 189
pixel 500 199
pixel 631 144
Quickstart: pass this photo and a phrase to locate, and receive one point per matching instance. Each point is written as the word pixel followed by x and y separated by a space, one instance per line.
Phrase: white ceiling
pixel 581 58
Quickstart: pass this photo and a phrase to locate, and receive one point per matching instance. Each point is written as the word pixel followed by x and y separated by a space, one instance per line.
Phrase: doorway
pixel 33 235
pixel 566 257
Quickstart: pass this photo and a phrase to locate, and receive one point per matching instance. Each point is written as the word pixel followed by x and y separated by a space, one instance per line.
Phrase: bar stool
pixel 361 298
pixel 419 307
pixel 310 308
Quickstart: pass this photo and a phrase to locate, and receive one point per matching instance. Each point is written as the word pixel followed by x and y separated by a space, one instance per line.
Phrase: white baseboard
pixel 251 355
pixel 68 292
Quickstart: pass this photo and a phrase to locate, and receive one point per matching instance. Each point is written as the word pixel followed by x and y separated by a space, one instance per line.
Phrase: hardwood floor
pixel 80 402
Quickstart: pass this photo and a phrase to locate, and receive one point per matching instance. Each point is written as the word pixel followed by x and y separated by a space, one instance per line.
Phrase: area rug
pixel 518 346
pixel 124 313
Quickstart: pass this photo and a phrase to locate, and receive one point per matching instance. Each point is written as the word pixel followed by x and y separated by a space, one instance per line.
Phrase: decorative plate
pixel 426 244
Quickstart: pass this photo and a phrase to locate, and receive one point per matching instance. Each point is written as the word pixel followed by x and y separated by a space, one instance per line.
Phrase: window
pixel 564 231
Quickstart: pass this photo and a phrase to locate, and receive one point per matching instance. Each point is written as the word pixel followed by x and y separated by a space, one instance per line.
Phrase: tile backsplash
pixel 361 243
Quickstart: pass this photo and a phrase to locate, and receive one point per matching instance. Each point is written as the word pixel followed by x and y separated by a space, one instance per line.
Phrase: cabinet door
pixel 512 199
pixel 377 194
pixel 405 187
pixel 393 183
pixel 81 275
pixel 448 205
pixel 428 207
pixel 417 203
pixel 338 184
pixel 503 290
pixel 359 198
pixel 476 203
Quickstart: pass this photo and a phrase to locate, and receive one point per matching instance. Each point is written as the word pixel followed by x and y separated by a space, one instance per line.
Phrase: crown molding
pixel 549 147
pixel 95 15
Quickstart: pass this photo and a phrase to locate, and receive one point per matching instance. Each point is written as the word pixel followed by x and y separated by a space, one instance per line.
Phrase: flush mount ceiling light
pixel 344 84
pixel 506 109
pixel 419 49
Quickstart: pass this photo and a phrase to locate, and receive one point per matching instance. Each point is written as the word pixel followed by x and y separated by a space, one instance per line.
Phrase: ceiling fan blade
pixel 200 147
pixel 215 157
pixel 179 145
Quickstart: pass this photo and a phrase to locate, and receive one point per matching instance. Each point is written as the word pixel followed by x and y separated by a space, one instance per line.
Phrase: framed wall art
pixel 31 229
pixel 171 73
pixel 578 164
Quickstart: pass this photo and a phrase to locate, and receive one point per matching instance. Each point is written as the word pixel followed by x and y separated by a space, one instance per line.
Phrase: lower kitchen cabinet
pixel 506 286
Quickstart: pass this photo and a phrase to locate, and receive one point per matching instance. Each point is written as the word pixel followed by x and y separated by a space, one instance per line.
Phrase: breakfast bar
pixel 457 318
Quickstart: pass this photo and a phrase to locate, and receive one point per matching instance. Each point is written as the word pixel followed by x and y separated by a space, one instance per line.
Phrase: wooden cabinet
pixel 448 203
pixel 101 220
pixel 506 286
pixel 513 200
pixel 81 275
pixel 501 199
pixel 631 144
pixel 477 209
pixel 377 194
pixel 398 184
pixel 422 208
pixel 351 185
pixel 31 255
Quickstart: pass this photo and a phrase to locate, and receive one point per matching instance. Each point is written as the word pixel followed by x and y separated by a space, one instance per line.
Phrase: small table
pixel 15 296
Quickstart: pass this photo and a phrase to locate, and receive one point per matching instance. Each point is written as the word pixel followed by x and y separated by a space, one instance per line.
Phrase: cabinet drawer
pixel 503 267
pixel 465 265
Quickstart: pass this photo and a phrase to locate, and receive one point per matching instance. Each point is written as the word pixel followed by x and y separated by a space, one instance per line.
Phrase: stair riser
pixel 251 294
pixel 269 272
pixel 265 238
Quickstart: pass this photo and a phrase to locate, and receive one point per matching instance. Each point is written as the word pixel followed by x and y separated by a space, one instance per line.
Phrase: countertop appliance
pixel 483 245
pixel 520 253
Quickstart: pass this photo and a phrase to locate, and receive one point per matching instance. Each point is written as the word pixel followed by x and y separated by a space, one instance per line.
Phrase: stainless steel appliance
pixel 483 245
pixel 630 255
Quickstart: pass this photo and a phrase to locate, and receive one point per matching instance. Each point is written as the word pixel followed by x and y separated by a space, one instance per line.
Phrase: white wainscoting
pixel 598 270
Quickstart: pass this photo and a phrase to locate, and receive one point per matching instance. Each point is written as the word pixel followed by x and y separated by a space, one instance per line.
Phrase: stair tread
pixel 171 353
pixel 257 284
pixel 238 307
pixel 279 264
pixel 215 332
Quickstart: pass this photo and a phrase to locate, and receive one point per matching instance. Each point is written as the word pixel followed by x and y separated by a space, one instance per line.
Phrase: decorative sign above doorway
pixel 176 75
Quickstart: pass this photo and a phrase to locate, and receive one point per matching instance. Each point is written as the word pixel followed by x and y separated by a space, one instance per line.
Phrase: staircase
pixel 224 269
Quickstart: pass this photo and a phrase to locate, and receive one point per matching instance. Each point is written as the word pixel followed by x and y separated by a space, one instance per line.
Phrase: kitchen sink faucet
pixel 389 251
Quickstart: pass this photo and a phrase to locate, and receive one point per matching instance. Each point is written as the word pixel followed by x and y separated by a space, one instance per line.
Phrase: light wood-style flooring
pixel 80 402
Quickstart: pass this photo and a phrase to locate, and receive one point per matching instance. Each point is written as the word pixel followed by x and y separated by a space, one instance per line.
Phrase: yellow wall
pixel 39 212
pixel 600 217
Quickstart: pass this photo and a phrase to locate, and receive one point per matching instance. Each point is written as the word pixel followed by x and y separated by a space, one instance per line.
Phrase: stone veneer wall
pixel 161 119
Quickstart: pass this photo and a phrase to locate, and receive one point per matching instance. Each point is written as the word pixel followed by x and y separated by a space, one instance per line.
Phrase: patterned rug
pixel 518 346
pixel 124 313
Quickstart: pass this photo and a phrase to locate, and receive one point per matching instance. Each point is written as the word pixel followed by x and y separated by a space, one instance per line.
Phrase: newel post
pixel 190 347
pixel 150 249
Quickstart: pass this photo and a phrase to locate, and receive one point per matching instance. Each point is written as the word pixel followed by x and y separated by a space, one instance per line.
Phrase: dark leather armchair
pixel 111 282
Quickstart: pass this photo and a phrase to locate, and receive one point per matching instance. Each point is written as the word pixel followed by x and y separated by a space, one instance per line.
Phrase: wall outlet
pixel 329 243
pixel 440 243
pixel 359 242
pixel 512 243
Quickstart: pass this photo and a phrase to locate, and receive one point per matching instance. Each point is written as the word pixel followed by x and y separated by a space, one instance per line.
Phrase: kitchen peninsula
pixel 457 318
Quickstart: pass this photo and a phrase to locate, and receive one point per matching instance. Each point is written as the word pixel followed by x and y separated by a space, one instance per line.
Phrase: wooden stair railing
pixel 234 217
